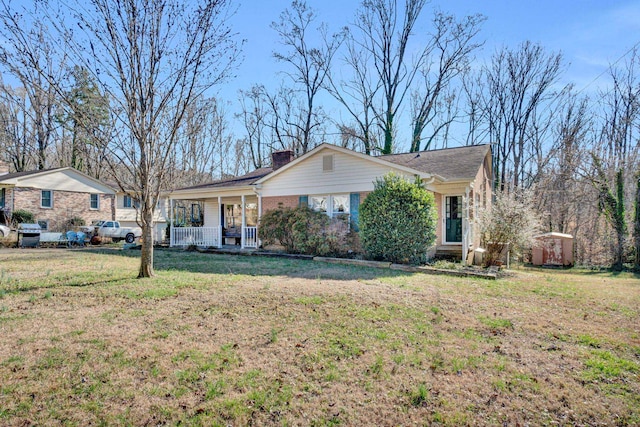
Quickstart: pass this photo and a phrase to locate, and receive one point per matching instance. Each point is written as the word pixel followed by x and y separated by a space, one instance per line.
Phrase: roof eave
pixel 406 169
pixel 203 191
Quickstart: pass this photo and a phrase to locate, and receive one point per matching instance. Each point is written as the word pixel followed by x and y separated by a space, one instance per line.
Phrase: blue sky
pixel 591 33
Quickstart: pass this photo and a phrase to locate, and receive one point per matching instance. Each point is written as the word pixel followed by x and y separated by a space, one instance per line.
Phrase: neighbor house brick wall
pixel 66 205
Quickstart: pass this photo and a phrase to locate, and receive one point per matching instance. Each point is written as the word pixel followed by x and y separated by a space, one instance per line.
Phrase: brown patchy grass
pixel 227 340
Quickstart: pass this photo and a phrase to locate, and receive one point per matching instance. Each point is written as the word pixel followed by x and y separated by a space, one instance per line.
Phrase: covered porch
pixel 225 220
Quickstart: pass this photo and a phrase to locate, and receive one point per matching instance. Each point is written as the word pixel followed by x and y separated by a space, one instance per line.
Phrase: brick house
pixel 336 180
pixel 55 196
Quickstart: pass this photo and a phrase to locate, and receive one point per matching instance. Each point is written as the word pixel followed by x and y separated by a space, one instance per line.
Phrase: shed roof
pixel 554 234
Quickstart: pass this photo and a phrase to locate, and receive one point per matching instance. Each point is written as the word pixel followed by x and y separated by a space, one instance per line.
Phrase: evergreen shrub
pixel 398 221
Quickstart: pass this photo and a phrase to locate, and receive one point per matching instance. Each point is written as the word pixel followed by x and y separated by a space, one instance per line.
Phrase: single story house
pixel 55 196
pixel 336 180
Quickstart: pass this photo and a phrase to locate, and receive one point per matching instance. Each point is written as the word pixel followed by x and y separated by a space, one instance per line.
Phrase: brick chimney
pixel 281 158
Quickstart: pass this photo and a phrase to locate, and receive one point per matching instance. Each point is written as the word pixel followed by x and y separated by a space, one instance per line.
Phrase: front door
pixel 453 219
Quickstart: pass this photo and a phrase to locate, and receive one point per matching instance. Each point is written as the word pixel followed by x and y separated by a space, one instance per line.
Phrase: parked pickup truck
pixel 112 229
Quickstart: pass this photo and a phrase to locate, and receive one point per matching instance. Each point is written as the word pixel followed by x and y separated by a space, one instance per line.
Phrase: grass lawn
pixel 232 340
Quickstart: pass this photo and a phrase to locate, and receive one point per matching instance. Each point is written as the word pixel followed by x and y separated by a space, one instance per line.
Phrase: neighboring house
pixel 336 180
pixel 127 214
pixel 56 196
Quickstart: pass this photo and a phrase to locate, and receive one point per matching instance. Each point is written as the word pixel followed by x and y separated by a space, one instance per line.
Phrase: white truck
pixel 113 230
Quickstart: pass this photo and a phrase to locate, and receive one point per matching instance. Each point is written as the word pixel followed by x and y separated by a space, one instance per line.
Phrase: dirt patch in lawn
pixel 225 340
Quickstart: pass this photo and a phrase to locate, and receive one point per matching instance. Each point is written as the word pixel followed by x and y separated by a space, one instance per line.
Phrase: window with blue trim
pixel 46 199
pixel 94 200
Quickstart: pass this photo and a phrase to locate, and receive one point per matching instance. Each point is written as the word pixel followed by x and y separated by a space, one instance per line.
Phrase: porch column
pixel 220 225
pixel 244 222
pixel 171 237
pixel 259 216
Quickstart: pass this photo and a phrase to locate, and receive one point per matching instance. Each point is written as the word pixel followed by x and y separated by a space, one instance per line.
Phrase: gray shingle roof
pixel 239 181
pixel 460 163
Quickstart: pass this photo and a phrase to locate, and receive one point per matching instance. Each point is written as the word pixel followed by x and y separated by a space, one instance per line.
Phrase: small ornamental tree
pixel 398 221
pixel 512 222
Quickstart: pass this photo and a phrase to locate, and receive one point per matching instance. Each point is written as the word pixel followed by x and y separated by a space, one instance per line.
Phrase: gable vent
pixel 327 163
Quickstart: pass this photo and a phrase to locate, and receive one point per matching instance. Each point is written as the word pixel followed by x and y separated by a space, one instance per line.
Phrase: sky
pixel 592 34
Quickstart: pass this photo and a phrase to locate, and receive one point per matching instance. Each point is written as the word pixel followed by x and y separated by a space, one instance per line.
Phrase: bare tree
pixel 562 191
pixel 15 130
pixel 519 89
pixel 357 94
pixel 255 116
pixel 28 55
pixel 384 33
pixel 615 159
pixel 446 57
pixel 153 58
pixel 636 224
pixel 203 143
pixel 310 65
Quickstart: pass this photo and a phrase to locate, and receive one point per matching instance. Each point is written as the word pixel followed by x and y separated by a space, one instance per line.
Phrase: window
pixel 336 206
pixel 44 225
pixel 2 197
pixel 46 199
pixel 126 202
pixel 94 201
pixel 251 215
pixel 340 206
pixel 233 216
pixel 318 203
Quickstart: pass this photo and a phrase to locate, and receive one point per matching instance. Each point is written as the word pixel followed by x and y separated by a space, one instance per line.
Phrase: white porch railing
pixel 250 237
pixel 198 236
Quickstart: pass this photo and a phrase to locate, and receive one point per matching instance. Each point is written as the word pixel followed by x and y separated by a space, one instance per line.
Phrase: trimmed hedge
pixel 398 221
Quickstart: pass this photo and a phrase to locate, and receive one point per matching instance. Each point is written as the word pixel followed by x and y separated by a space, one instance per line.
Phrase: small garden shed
pixel 553 249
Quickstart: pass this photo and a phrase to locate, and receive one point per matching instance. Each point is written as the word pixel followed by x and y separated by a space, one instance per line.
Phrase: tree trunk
pixel 637 224
pixel 146 255
pixel 388 134
pixel 620 224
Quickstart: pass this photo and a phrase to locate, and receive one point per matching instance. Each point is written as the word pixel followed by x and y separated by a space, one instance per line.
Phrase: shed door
pixel 554 252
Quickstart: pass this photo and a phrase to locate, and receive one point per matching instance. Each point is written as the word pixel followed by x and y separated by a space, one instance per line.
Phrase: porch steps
pixel 448 252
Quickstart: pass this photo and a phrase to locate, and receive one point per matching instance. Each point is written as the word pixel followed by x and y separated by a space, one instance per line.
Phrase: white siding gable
pixel 65 180
pixel 350 174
